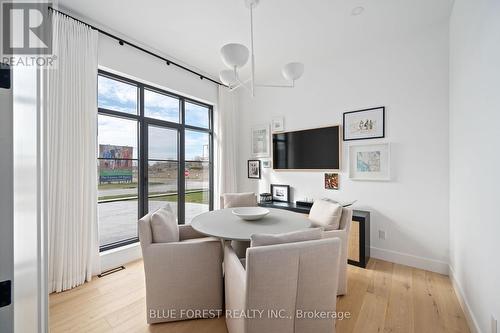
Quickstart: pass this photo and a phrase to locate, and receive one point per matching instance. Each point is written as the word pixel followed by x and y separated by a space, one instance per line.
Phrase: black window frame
pixel 142 144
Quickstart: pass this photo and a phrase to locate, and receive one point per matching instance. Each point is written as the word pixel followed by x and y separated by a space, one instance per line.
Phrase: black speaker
pixel 5 77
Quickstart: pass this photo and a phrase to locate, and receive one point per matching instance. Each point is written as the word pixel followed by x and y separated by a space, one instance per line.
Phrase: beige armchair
pixel 284 280
pixel 230 200
pixel 343 233
pixel 180 276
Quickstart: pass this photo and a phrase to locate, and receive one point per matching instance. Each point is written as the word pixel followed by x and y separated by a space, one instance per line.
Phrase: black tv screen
pixel 307 149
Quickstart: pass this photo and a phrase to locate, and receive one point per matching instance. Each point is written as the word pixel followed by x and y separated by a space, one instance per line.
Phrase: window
pixel 116 95
pixel 197 180
pixel 118 179
pixel 160 106
pixel 155 148
pixel 197 115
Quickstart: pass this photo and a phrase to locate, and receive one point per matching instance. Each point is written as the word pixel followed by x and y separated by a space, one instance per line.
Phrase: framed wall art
pixel 331 181
pixel 278 124
pixel 369 162
pixel 364 124
pixel 253 169
pixel 261 141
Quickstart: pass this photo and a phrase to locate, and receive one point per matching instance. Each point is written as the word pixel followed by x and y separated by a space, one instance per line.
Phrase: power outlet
pixel 494 324
pixel 381 234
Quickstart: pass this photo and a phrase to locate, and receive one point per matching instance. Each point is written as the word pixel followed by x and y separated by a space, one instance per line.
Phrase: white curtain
pixel 70 148
pixel 226 143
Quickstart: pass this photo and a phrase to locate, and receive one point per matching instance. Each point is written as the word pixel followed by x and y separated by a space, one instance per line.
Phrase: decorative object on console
pixel 261 141
pixel 369 162
pixel 280 192
pixel 254 169
pixel 278 124
pixel 304 203
pixel 364 124
pixel 331 181
pixel 266 164
pixel 266 197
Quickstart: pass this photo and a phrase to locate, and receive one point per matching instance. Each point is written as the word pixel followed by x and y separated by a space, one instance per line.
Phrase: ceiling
pixel 193 31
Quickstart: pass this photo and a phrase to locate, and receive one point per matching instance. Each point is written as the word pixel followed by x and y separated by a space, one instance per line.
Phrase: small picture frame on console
pixel 280 192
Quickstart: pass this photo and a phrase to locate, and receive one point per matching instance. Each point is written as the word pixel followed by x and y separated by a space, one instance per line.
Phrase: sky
pixel 122 97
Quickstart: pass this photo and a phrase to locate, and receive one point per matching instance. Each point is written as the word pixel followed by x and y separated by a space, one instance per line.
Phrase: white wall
pixel 409 76
pixel 474 158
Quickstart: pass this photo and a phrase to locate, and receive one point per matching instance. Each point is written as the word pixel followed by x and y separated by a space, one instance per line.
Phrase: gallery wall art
pixel 331 181
pixel 369 162
pixel 278 124
pixel 364 124
pixel 253 169
pixel 261 141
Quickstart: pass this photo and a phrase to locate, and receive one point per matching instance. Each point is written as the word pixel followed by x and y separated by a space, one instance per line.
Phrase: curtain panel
pixel 226 144
pixel 70 151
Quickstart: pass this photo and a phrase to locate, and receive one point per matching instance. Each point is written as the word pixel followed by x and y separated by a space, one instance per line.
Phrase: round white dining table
pixel 227 226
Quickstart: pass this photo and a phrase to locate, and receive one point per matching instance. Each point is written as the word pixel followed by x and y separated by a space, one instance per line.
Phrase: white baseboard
pixel 120 256
pixel 410 260
pixel 469 315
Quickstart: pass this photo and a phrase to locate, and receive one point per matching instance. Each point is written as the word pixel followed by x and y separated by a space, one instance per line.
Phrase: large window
pixel 155 148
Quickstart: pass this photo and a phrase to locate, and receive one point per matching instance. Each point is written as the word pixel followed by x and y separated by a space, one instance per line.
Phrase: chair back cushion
pixel 291 237
pixel 164 226
pixel 230 200
pixel 325 214
pixel 300 276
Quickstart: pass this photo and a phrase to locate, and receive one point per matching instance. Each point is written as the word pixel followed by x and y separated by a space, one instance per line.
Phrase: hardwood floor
pixel 385 297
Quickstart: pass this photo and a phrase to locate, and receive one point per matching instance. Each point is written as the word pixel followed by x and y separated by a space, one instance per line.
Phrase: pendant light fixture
pixel 235 56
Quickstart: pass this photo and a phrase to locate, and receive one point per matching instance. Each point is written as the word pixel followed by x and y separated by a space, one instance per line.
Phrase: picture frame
pixel 266 164
pixel 364 124
pixel 253 169
pixel 278 124
pixel 260 141
pixel 370 162
pixel 280 192
pixel 331 181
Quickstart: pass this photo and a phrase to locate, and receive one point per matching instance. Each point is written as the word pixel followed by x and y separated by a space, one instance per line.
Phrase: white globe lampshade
pixel 293 71
pixel 234 55
pixel 227 77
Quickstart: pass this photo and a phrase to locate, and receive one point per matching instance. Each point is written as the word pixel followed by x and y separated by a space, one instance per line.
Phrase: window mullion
pixel 143 170
pixel 182 167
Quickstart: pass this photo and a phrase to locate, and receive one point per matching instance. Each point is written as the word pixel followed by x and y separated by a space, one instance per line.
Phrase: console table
pixel 359 235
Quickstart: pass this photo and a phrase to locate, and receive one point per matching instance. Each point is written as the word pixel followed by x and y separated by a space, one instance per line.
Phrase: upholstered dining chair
pixel 231 200
pixel 336 223
pixel 183 269
pixel 290 278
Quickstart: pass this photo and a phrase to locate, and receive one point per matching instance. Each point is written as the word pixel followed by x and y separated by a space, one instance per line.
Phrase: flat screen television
pixel 317 148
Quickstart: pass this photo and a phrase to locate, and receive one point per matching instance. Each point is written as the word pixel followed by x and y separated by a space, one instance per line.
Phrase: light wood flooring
pixel 384 297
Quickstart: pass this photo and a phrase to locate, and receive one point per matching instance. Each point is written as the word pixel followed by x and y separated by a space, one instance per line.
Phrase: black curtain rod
pixel 122 42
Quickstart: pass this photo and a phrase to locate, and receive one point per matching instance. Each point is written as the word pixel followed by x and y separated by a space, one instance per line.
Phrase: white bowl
pixel 250 213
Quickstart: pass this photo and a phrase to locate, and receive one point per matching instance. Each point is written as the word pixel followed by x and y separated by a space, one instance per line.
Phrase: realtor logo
pixel 26 28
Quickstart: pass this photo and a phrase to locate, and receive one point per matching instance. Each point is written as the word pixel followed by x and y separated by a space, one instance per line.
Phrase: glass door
pixel 163 168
